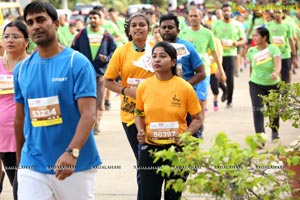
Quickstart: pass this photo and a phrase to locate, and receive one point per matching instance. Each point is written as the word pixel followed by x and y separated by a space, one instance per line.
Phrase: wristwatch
pixel 73 152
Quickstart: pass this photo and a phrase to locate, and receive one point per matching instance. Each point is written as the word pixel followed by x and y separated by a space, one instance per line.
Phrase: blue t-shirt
pixel 67 77
pixel 189 62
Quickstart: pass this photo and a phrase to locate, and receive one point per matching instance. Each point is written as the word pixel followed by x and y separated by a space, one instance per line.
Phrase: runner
pixel 231 36
pixel 203 40
pixel 281 36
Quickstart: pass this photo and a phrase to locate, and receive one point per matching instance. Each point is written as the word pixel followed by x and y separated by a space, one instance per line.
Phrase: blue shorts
pixel 202 89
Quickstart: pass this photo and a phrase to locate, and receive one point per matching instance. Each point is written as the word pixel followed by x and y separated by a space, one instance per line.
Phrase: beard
pixel 169 37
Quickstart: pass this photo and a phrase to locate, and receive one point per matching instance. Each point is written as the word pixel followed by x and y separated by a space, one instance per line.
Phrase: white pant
pixel 37 186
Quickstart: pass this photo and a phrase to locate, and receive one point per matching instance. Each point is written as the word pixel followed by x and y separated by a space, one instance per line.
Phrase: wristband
pixel 123 91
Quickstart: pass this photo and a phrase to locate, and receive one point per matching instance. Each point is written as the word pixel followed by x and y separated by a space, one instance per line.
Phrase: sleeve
pixel 75 41
pixel 212 44
pixel 139 106
pixel 18 97
pixel 111 47
pixel 114 65
pixel 84 76
pixel 275 51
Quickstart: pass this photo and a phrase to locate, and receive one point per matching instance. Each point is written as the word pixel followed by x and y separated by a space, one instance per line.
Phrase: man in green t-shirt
pixel 98 45
pixel 231 36
pixel 203 39
pixel 281 35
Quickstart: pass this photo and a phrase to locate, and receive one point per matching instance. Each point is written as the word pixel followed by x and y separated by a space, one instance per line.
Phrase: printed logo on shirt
pixel 59 79
pixel 127 105
pixel 176 102
pixel 262 57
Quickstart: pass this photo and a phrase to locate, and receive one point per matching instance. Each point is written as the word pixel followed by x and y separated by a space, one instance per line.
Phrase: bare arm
pixel 195 124
pixel 117 87
pixel 294 52
pixel 19 127
pixel 87 109
pixel 140 125
pixel 277 65
pixel 240 42
pixel 199 76
pixel 218 59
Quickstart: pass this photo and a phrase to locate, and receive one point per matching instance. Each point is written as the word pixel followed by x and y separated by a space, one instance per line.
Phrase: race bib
pixel 95 39
pixel 163 132
pixel 134 82
pixel 45 111
pixel 181 50
pixel 278 40
pixel 6 84
pixel 262 57
pixel 226 43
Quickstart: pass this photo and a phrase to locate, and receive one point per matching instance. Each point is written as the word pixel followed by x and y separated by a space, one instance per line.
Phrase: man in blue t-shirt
pixel 188 58
pixel 55 94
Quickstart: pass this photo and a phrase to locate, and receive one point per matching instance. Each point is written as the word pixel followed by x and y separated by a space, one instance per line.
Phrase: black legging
pixel 215 84
pixel 285 69
pixel 258 116
pixel 151 181
pixel 229 63
pixel 9 163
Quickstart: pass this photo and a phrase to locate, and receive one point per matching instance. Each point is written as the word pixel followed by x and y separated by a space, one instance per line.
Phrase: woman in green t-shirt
pixel 265 67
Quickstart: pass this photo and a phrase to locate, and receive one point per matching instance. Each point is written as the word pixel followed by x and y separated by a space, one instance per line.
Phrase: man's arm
pixel 87 109
pixel 19 127
pixel 198 76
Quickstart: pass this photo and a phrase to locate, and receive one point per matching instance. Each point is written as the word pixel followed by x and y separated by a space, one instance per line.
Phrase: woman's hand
pixel 141 136
pixel 274 76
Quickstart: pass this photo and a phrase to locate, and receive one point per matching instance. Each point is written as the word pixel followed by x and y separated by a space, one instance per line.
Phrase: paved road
pixel 119 183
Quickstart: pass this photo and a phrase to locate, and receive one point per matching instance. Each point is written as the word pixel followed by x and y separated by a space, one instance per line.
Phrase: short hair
pixel 112 10
pixel 225 6
pixel 170 50
pixel 95 12
pixel 169 16
pixel 39 7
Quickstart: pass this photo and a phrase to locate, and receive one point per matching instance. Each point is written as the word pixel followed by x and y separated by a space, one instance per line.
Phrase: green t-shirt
pixel 95 39
pixel 203 40
pixel 227 33
pixel 292 22
pixel 279 36
pixel 113 29
pixel 258 22
pixel 262 63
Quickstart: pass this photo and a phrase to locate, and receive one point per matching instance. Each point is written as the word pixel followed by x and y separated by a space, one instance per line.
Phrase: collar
pixel 137 49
